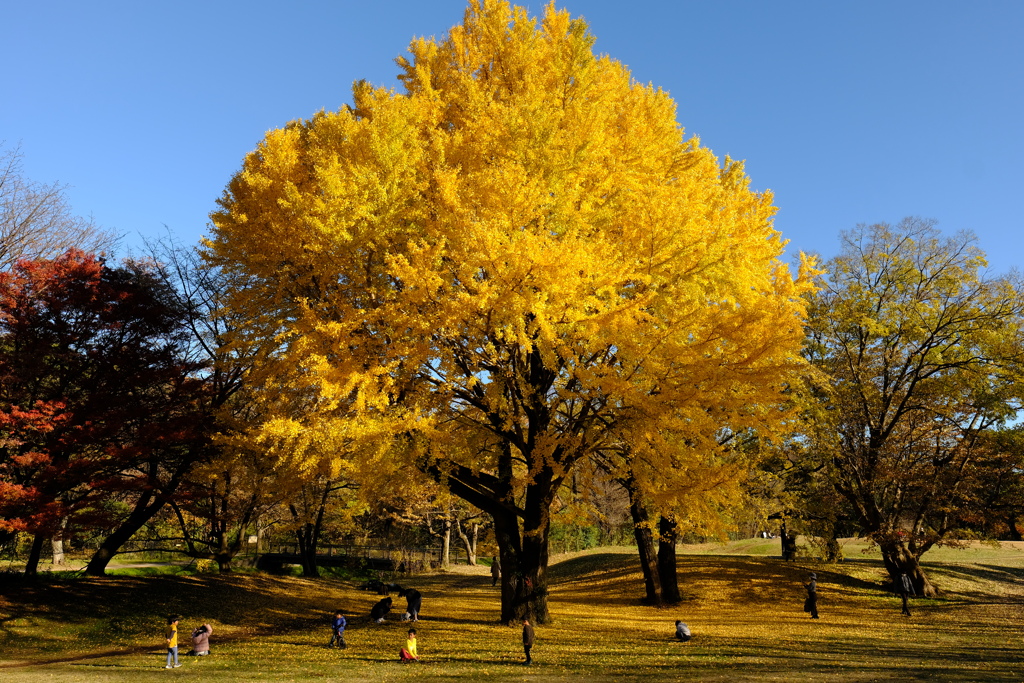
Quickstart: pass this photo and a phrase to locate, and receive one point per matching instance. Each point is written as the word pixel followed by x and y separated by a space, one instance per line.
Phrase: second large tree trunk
pixel 667 527
pixel 446 543
pixel 32 564
pixel 524 563
pixel 147 506
pixel 644 543
pixel 898 559
pixel 57 543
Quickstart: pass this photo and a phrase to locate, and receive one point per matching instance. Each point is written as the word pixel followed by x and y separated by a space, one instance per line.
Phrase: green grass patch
pixel 742 603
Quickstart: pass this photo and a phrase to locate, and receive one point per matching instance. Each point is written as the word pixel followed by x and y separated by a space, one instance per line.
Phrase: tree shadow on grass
pixel 701 577
pixel 983 572
pixel 127 609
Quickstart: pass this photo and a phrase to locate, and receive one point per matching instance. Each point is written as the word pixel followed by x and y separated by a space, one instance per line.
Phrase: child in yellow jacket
pixel 408 653
pixel 172 642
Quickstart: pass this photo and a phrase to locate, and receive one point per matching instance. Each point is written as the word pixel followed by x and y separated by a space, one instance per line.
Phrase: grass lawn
pixel 743 606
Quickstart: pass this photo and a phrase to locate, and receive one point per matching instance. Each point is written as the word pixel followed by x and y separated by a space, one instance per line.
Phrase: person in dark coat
pixel 201 640
pixel 682 632
pixel 527 640
pixel 811 604
pixel 495 571
pixel 905 587
pixel 413 602
pixel 380 610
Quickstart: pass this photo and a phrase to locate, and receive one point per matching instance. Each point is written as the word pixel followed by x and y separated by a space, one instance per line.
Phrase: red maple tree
pixel 97 399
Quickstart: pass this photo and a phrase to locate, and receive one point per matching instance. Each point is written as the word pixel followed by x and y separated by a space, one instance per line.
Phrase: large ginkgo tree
pixel 514 264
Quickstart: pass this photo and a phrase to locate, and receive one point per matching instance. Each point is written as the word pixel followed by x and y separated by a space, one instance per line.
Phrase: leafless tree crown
pixel 36 220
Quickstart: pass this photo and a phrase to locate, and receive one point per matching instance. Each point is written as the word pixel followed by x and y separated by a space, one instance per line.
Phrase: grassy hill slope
pixel 743 605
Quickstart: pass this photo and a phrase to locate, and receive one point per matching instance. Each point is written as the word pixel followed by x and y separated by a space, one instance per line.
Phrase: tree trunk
pixel 147 506
pixel 32 564
pixel 644 543
pixel 306 537
pixel 308 534
pixel 523 552
pixel 1014 529
pixel 57 543
pixel 833 549
pixel 469 542
pixel 898 559
pixel 667 528
pixel 446 543
pixel 788 543
pixel 506 534
pixel 534 565
pixel 524 560
pixel 230 548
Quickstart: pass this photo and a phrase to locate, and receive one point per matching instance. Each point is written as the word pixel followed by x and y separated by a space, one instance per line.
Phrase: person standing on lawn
pixel 171 636
pixel 527 640
pixel 811 604
pixel 495 571
pixel 905 587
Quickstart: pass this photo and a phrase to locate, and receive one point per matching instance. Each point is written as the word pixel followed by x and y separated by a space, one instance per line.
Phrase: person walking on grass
pixel 171 636
pixel 338 630
pixel 495 571
pixel 408 653
pixel 811 604
pixel 905 587
pixel 527 640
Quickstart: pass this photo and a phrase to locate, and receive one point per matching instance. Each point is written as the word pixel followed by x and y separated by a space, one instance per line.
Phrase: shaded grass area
pixel 745 612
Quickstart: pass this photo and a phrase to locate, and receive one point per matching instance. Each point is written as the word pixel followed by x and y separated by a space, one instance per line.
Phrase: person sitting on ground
pixel 380 610
pixel 408 653
pixel 201 640
pixel 682 632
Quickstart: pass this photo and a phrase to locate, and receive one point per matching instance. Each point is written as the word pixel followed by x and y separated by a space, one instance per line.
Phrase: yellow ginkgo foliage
pixel 515 263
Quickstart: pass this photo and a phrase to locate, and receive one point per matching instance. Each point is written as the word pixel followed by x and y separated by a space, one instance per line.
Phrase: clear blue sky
pixel 851 112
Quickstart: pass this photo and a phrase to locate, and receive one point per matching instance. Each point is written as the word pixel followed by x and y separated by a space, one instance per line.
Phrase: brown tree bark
pixel 32 563
pixel 644 542
pixel 668 530
pixel 898 559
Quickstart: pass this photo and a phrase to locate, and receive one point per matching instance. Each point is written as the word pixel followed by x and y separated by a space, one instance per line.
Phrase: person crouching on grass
pixel 408 653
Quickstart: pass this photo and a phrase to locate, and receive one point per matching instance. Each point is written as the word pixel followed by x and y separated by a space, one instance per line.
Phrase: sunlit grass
pixel 744 609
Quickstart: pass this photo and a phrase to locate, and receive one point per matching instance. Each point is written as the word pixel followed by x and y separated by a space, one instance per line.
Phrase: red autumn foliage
pixel 97 400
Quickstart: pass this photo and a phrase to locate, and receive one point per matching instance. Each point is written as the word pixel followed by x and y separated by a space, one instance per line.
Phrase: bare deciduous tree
pixel 36 220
